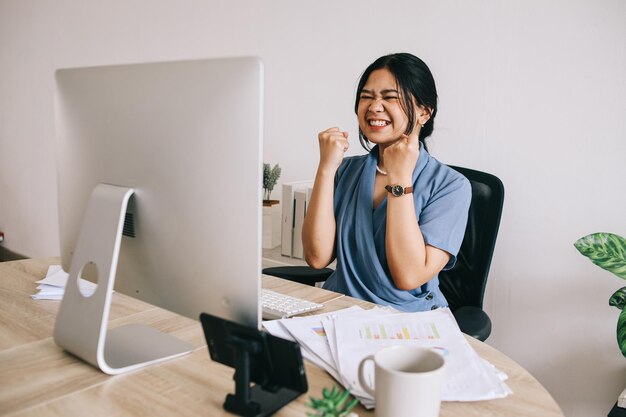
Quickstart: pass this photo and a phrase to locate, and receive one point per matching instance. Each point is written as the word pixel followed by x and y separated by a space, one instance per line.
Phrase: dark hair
pixel 415 81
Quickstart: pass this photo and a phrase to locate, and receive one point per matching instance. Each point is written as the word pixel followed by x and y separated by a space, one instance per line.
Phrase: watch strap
pixel 398 190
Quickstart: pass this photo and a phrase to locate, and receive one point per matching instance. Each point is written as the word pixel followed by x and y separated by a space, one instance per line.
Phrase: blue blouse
pixel 442 197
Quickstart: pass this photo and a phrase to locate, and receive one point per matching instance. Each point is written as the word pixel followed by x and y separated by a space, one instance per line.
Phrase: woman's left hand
pixel 400 159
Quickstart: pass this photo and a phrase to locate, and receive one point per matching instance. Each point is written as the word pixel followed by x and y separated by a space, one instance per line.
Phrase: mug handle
pixel 366 387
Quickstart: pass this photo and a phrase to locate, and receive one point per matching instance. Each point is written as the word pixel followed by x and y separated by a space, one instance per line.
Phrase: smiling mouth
pixel 378 123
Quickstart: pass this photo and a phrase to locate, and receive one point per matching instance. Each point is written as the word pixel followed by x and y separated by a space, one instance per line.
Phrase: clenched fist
pixel 333 145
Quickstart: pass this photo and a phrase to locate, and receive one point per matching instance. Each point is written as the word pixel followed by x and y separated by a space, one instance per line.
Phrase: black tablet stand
pixel 256 400
pixel 269 371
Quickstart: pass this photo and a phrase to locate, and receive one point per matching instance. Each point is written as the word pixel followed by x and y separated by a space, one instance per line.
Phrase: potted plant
pixel 271 209
pixel 270 178
pixel 608 251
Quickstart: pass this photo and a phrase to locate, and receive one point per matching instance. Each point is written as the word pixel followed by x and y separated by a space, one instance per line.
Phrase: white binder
pixel 288 215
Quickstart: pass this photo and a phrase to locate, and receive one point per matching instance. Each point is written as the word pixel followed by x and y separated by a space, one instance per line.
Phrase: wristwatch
pixel 398 190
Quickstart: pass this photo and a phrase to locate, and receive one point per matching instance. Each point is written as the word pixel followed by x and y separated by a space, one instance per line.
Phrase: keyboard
pixel 280 306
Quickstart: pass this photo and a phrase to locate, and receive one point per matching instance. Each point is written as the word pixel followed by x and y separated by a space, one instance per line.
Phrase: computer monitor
pixel 159 190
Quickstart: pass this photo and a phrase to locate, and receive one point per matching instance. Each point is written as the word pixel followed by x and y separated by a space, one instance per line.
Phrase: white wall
pixel 533 91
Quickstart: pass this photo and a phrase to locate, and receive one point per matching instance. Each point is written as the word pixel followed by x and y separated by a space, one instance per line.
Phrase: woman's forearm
pixel 318 230
pixel 412 263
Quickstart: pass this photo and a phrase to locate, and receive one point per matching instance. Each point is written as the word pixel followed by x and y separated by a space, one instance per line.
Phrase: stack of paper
pixel 338 341
pixel 52 287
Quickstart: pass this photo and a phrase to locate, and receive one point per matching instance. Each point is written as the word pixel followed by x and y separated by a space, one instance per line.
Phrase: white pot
pixel 271 226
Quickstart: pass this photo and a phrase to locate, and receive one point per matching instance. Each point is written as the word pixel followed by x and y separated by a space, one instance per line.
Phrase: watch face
pixel 397 190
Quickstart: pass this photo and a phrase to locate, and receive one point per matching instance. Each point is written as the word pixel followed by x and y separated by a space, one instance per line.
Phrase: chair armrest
pixel 302 274
pixel 473 321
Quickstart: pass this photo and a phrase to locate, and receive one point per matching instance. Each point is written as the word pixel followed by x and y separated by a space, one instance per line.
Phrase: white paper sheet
pixel 276 328
pixel 52 287
pixel 309 333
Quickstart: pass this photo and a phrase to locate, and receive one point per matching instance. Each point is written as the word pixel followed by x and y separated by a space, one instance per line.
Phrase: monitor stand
pixel 81 324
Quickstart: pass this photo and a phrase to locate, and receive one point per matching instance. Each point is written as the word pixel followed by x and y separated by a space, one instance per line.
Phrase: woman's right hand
pixel 333 145
pixel 318 230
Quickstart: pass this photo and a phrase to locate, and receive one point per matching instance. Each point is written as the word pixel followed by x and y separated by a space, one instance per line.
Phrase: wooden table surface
pixel 37 378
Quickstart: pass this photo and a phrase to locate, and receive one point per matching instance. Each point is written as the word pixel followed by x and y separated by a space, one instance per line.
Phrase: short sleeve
pixel 444 218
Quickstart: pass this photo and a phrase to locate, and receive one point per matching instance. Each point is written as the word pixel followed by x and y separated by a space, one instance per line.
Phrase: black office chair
pixel 464 285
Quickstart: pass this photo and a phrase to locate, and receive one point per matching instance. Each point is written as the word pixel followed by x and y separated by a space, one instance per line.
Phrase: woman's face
pixel 381 117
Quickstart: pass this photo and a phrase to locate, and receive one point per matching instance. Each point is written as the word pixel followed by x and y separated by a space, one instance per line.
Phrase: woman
pixel 395 217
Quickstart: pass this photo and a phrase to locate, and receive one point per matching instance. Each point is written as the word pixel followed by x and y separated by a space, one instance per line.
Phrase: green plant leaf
pixel 342 397
pixel 332 403
pixel 349 407
pixel 618 299
pixel 621 332
pixel 607 250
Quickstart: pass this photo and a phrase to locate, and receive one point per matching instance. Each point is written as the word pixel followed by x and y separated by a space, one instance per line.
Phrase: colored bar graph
pixel 400 331
pixel 383 332
pixel 435 331
pixel 319 331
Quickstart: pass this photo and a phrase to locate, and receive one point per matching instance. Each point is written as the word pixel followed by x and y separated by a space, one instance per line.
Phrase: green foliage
pixel 270 177
pixel 608 251
pixel 621 332
pixel 332 403
pixel 618 299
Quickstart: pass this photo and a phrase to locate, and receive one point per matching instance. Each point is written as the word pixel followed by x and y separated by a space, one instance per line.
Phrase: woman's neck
pixel 381 159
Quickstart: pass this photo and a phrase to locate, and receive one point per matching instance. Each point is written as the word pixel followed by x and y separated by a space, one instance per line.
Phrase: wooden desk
pixel 37 378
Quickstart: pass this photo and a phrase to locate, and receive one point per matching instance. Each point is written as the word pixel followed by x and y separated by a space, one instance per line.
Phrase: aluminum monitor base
pixel 81 324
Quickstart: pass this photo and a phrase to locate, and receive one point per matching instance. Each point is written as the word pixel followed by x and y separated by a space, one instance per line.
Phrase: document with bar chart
pixel 339 340
pixel 467 376
pixel 400 331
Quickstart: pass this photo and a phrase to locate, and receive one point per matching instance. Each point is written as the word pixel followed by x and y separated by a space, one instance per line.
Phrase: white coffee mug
pixel 407 381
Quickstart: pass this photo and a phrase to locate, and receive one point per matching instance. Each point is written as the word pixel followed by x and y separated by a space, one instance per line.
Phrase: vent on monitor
pixel 129 225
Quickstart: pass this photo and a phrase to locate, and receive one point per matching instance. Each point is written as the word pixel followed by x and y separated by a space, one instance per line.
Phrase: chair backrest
pixel 464 284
